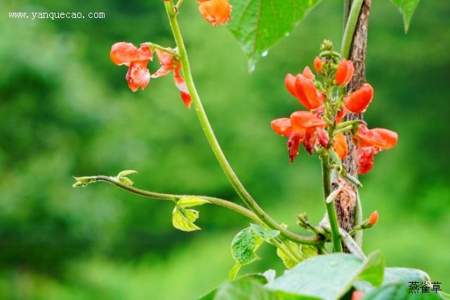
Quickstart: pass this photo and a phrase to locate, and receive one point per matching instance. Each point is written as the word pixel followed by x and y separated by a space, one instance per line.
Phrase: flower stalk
pixel 331 210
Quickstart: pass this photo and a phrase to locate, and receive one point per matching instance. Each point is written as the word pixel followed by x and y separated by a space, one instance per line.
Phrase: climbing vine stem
pixel 249 201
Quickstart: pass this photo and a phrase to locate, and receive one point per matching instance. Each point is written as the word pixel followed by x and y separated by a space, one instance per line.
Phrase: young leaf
pixel 191 201
pixel 125 173
pixel 244 246
pixel 407 8
pixel 301 252
pixel 287 260
pixel 259 24
pixel 184 219
pixel 123 179
pixel 82 181
pixel 264 233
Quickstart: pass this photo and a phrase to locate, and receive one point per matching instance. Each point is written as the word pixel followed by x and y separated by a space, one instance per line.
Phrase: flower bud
pixel 318 64
pixel 307 93
pixel 358 101
pixel 344 72
pixel 373 218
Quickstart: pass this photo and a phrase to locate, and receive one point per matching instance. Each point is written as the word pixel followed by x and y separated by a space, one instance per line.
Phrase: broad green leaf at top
pixel 407 8
pixel 259 24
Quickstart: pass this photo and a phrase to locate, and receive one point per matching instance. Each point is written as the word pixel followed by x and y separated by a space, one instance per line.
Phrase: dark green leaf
pixel 249 288
pixel 326 276
pixel 407 8
pixel 259 24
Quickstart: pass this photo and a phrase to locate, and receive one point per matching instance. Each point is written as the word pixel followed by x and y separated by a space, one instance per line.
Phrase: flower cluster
pixel 216 12
pixel 137 60
pixel 323 125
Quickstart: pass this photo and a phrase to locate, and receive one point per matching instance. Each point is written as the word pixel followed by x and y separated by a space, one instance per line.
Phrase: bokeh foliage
pixel 65 110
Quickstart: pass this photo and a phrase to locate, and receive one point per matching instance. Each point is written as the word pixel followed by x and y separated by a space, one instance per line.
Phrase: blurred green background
pixel 65 110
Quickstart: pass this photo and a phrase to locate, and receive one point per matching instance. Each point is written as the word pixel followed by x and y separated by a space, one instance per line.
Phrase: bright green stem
pixel 174 197
pixel 212 140
pixel 350 28
pixel 331 210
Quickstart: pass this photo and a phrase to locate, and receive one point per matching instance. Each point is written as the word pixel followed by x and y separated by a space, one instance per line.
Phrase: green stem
pixel 165 49
pixel 175 197
pixel 331 210
pixel 350 28
pixel 212 140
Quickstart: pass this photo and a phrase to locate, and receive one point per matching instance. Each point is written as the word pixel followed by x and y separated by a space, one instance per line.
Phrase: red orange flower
pixel 370 142
pixel 138 75
pixel 136 59
pixel 359 100
pixel 303 127
pixel 216 12
pixel 170 64
pixel 344 72
pixel 302 87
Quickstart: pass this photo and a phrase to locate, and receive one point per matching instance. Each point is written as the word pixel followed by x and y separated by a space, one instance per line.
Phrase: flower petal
pixel 123 53
pixel 216 12
pixel 365 157
pixel 282 126
pixel 344 72
pixel 138 76
pixel 305 119
pixel 307 93
pixel 293 146
pixel 340 145
pixel 359 100
pixel 181 85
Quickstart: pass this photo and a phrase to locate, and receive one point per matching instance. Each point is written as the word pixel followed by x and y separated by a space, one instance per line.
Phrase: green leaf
pixel 374 269
pixel 407 8
pixel 287 260
pixel 264 233
pixel 398 291
pixel 191 201
pixel 301 251
pixel 244 246
pixel 404 275
pixel 184 219
pixel 123 179
pixel 126 173
pixel 392 276
pixel 82 181
pixel 259 24
pixel 249 288
pixel 323 276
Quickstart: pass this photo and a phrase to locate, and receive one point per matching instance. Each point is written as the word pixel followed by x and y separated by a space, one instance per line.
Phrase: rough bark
pixel 346 203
